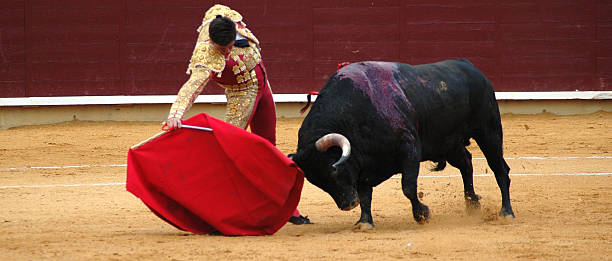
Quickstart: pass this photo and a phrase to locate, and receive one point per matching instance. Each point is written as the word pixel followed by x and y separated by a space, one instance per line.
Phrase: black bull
pixel 372 120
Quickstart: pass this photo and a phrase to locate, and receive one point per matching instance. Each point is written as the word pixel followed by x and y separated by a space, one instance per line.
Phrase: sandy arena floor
pixel 63 198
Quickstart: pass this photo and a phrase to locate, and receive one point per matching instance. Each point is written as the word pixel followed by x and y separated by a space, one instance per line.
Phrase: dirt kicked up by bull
pixel 372 120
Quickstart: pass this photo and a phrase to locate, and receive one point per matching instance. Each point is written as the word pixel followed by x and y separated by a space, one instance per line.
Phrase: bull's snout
pixel 353 205
pixel 347 199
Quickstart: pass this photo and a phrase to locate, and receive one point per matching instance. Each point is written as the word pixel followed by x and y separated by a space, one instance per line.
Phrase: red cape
pixel 227 180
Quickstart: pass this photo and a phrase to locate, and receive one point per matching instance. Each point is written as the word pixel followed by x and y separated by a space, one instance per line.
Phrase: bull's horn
pixel 335 139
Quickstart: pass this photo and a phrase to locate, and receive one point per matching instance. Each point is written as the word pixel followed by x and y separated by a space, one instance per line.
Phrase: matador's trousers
pixel 254 107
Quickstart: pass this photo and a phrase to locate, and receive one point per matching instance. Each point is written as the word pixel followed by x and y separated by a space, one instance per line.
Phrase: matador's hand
pixel 174 123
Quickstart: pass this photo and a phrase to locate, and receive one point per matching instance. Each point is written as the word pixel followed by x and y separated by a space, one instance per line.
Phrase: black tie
pixel 241 43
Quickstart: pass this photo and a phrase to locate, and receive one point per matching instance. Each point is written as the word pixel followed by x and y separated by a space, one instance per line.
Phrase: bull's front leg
pixel 410 173
pixel 365 202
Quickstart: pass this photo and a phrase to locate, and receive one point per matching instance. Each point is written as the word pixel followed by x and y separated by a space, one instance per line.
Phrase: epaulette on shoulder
pixel 207 56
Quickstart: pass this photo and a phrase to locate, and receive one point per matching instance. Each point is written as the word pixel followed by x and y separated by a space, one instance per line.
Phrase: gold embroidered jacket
pixel 235 72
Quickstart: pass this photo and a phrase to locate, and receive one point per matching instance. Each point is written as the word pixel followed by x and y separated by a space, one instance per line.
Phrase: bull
pixel 372 120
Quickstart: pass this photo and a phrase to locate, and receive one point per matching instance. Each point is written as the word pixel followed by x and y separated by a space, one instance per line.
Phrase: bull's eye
pixel 334 172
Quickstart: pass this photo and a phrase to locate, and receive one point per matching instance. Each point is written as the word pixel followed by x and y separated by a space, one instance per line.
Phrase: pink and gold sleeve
pixel 189 92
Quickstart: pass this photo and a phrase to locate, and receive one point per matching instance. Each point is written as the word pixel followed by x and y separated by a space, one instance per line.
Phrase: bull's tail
pixel 308 101
pixel 440 165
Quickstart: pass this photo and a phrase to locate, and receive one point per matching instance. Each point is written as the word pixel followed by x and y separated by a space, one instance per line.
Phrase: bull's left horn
pixel 335 139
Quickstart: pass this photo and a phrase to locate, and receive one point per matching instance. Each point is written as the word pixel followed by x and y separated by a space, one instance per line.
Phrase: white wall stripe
pixel 298 97
pixel 64 185
pixel 519 175
pixel 552 158
pixel 394 177
pixel 67 167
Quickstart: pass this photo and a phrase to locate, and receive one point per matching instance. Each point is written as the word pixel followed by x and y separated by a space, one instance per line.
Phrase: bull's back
pixel 400 92
pixel 453 100
pixel 454 88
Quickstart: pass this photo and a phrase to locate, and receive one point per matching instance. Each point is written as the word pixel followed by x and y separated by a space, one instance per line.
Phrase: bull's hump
pixel 361 69
pixel 377 81
pixel 367 75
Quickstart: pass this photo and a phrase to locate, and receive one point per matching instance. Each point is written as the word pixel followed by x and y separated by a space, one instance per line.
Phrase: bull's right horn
pixel 335 139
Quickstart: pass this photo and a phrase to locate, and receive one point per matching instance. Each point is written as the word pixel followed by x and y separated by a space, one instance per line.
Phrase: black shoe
pixel 301 220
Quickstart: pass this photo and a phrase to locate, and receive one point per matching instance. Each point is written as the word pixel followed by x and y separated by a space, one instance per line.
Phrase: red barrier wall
pixel 128 47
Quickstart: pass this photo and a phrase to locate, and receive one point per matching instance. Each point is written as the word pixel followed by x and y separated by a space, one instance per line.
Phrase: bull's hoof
pixel 421 215
pixel 506 213
pixel 472 205
pixel 363 226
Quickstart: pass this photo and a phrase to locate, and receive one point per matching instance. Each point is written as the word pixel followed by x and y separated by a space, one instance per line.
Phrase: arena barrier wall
pixel 16 112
